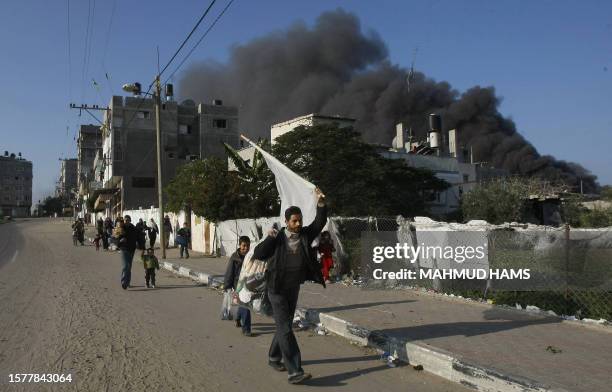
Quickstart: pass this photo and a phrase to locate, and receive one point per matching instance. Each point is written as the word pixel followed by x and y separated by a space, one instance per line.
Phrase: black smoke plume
pixel 335 68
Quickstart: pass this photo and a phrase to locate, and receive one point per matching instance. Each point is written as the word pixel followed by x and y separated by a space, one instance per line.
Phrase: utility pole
pixel 160 200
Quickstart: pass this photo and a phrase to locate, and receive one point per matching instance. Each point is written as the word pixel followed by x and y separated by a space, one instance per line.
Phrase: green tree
pixel 256 183
pixel 606 192
pixel 496 201
pixel 598 217
pixel 207 189
pixel 52 205
pixel 504 200
pixel 354 177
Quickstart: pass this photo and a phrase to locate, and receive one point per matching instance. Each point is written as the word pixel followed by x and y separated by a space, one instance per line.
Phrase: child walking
pixel 150 264
pixel 97 240
pixel 326 247
pixel 232 274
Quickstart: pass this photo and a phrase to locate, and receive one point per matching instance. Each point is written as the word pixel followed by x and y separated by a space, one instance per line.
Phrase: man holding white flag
pixel 292 261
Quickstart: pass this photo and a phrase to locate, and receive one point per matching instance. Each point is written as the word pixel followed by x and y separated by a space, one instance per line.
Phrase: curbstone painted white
pixel 184 272
pixel 433 360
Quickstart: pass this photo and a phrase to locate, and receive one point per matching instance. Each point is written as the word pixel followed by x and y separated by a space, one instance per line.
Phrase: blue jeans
pixel 126 271
pixel 244 315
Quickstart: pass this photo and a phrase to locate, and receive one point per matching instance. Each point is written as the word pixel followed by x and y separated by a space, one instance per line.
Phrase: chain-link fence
pixel 570 269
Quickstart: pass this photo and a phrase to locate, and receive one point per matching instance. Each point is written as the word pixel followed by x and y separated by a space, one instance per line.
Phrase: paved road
pixel 62 311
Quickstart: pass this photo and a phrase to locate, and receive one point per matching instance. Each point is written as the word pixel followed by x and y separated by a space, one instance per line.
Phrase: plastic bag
pixel 226 306
pixel 251 287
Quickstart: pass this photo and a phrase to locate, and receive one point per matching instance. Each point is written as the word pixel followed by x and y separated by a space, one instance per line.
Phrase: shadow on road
pixel 337 380
pixel 183 286
pixel 361 306
pixel 341 360
pixel 496 320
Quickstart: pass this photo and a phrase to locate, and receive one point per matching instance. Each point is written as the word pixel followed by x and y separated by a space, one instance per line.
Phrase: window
pixel 143 114
pixel 220 123
pixel 143 182
pixel 466 178
pixel 118 153
pixel 184 129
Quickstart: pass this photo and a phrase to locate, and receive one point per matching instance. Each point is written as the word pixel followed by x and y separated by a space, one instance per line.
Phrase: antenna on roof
pixel 410 78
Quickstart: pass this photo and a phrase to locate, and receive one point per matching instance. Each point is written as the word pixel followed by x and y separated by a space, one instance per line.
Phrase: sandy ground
pixel 62 311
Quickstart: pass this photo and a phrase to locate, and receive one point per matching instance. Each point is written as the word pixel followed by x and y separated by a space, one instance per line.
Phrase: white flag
pixel 292 189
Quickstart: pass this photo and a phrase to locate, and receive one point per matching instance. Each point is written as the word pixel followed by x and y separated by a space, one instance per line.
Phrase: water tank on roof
pixel 169 91
pixel 435 122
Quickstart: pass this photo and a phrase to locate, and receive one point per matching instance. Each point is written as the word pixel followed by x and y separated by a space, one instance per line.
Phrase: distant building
pixel 446 158
pixel 127 165
pixel 441 153
pixel 15 185
pixel 309 120
pixel 89 144
pixel 68 180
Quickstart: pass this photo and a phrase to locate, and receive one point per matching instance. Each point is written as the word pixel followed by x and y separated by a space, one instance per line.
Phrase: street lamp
pixel 135 88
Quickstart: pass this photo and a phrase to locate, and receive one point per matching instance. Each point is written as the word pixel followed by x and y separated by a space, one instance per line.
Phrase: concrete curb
pixel 434 360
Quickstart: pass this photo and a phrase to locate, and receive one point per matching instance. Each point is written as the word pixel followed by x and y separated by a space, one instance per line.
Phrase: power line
pixel 189 36
pixel 200 40
pixel 91 38
pixel 69 52
pixel 108 31
pixel 85 51
pixel 108 34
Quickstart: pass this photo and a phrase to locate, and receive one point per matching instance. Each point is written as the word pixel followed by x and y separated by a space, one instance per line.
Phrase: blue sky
pixel 551 61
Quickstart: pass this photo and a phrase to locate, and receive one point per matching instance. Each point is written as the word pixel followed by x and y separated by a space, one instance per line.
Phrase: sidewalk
pixel 479 345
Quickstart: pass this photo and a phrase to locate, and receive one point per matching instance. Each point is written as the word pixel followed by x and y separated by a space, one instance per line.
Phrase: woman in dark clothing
pixel 153 230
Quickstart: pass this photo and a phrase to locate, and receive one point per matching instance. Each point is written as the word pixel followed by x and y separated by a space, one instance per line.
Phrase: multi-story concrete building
pixel 128 164
pixel 309 120
pixel 68 180
pixel 15 185
pixel 89 144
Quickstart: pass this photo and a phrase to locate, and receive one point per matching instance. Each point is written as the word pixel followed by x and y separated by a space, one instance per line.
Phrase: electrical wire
pixel 200 40
pixel 85 51
pixel 189 36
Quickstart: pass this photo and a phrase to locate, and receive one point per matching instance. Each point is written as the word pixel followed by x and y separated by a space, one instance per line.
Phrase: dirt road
pixel 62 310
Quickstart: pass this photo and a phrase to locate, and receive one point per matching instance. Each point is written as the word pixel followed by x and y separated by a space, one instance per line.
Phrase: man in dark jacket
pixel 141 234
pixel 234 266
pixel 127 245
pixel 292 261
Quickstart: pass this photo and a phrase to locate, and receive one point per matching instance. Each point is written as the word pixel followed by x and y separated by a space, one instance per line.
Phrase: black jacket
pixel 232 273
pixel 275 249
pixel 127 241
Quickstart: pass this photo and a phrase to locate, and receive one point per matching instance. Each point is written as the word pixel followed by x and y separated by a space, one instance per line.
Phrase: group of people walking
pixel 290 261
pixel 106 233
